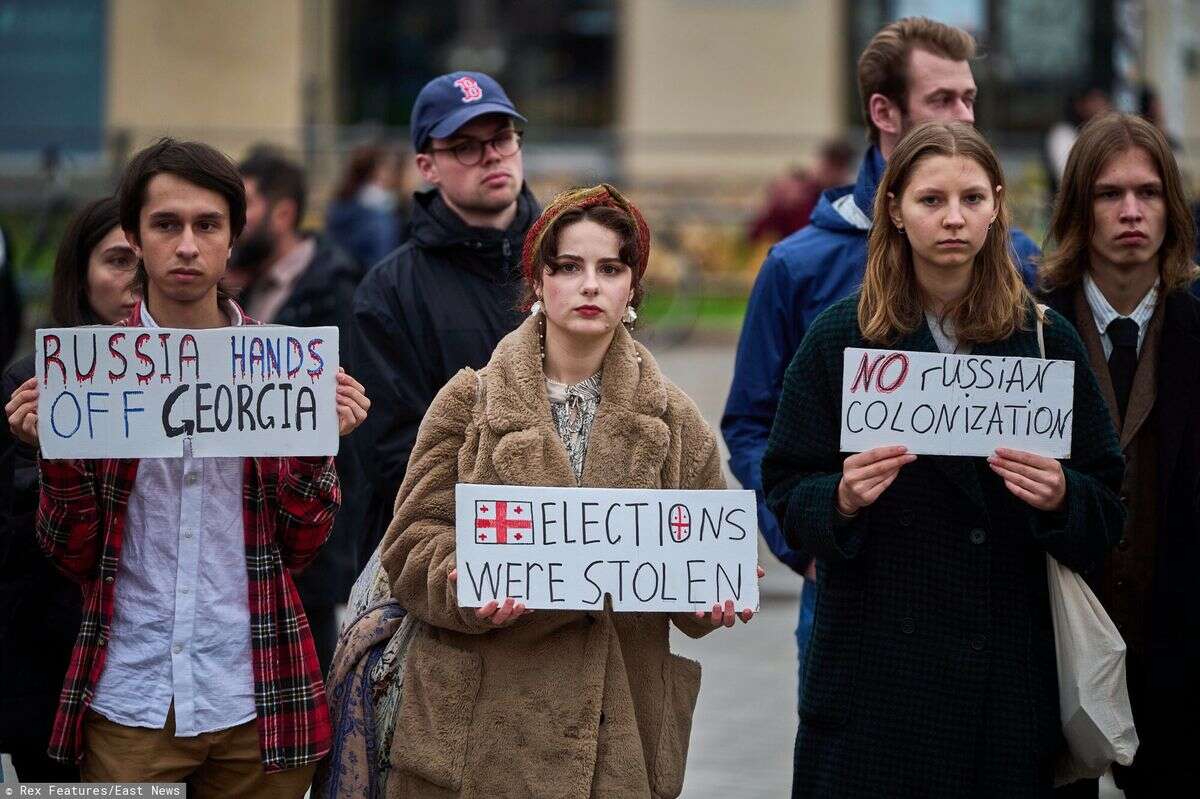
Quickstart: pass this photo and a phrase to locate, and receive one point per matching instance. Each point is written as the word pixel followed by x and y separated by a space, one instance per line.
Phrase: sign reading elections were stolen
pixel 938 404
pixel 129 392
pixel 568 548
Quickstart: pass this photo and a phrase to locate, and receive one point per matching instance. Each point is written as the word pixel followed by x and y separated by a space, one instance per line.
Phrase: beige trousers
pixel 216 764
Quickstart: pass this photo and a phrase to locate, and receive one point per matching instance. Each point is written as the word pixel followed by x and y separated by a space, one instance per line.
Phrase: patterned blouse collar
pixel 573 409
pixel 588 389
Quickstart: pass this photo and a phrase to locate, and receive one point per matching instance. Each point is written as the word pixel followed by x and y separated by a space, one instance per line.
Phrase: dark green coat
pixel 931 670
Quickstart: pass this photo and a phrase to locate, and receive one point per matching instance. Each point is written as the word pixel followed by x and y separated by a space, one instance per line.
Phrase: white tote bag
pixel 1093 699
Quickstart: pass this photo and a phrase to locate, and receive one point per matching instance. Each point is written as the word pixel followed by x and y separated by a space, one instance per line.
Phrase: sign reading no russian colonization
pixel 569 548
pixel 129 392
pixel 940 404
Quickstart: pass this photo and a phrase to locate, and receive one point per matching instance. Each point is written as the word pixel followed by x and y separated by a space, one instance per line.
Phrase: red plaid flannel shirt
pixel 288 508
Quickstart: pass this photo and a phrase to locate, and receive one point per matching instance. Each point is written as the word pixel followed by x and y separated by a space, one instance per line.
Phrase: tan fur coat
pixel 561 703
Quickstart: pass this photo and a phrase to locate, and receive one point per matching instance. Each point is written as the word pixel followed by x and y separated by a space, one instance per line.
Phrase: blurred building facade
pixel 231 73
pixel 636 89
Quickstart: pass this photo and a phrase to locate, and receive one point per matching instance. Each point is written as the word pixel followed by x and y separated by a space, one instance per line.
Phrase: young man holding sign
pixel 201 667
pixel 1119 273
pixel 932 670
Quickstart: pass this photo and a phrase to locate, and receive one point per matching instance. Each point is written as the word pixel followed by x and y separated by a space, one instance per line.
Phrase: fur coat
pixel 559 703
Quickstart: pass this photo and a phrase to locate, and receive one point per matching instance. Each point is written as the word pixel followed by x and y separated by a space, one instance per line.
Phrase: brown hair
pixel 69 303
pixel 277 178
pixel 1072 221
pixel 360 168
pixel 890 304
pixel 193 161
pixel 601 204
pixel 883 65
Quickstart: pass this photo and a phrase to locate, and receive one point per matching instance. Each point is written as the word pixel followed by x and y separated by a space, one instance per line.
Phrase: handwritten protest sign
pixel 567 548
pixel 939 404
pixel 129 392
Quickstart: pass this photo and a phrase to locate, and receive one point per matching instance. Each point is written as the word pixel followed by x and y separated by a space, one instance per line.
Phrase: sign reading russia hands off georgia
pixel 129 392
pixel 936 404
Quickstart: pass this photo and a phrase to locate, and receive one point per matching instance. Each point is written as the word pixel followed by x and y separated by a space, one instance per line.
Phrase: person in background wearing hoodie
pixel 446 297
pixel 306 280
pixel 914 70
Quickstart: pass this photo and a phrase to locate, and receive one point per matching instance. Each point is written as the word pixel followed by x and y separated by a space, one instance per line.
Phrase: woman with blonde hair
pixel 504 701
pixel 931 671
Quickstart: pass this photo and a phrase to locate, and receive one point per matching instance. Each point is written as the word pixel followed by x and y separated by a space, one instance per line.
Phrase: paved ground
pixel 745 720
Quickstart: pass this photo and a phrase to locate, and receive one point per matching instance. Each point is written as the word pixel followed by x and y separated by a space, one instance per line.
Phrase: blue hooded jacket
pixel 802 276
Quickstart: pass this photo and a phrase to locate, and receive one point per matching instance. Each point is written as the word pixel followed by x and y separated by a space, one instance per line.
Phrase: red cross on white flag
pixel 681 522
pixel 503 522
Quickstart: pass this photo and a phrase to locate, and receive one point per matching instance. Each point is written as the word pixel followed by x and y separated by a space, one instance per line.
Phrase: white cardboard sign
pixel 938 404
pixel 567 548
pixel 135 392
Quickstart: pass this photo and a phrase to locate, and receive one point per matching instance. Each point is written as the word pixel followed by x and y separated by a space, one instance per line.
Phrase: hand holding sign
pixel 21 410
pixel 498 613
pixel 866 475
pixel 352 403
pixel 1037 480
pixel 724 615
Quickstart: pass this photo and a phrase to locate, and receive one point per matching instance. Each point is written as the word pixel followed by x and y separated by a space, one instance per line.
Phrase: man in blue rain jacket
pixel 914 70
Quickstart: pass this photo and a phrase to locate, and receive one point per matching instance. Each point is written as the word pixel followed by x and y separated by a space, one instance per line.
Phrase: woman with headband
pixel 502 700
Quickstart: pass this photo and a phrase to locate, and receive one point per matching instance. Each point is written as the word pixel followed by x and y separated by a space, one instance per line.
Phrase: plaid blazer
pixel 288 510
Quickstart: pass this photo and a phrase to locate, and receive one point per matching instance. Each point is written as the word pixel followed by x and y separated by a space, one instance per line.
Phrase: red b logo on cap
pixel 470 89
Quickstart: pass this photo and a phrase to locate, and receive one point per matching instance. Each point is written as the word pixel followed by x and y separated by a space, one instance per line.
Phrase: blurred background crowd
pixel 724 119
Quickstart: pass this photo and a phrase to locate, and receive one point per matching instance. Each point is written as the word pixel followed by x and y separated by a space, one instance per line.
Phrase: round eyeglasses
pixel 469 152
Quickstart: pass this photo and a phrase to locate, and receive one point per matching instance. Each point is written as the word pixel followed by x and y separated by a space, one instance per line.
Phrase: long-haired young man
pixel 1120 270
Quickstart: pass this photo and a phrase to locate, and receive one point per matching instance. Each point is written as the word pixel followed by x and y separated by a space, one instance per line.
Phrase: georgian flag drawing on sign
pixel 502 522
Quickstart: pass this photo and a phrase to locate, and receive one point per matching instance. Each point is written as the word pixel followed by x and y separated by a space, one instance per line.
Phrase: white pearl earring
pixel 536 308
pixel 630 315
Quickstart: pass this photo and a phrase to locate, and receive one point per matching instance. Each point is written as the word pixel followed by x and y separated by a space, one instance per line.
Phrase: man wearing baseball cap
pixel 446 297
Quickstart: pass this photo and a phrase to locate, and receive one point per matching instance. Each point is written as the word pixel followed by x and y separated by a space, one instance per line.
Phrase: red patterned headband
pixel 576 199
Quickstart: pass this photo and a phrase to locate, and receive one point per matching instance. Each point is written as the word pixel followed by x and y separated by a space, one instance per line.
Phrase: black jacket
pixel 39 607
pixel 440 302
pixel 1165 717
pixel 931 670
pixel 324 295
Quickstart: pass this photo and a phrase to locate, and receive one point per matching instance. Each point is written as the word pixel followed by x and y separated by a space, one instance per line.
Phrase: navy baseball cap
pixel 450 101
